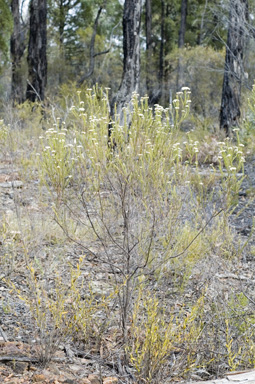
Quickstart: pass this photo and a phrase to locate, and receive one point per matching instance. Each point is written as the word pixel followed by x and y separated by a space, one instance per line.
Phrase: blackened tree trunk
pixel 233 72
pixel 131 61
pixel 162 46
pixel 61 27
pixel 181 41
pixel 182 30
pixel 37 59
pixel 17 50
pixel 148 27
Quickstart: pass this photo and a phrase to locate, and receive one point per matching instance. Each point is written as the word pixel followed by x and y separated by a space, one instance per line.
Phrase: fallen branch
pixel 27 359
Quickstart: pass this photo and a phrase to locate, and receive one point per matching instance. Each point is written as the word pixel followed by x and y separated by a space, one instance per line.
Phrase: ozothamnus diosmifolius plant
pixel 137 179
pixel 247 127
pixel 157 333
pixel 4 130
pixel 56 160
pixel 231 165
pixel 141 202
pixel 152 147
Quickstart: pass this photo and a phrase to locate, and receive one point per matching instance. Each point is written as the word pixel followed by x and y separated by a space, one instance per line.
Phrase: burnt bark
pixel 233 72
pixel 61 28
pixel 162 46
pixel 37 58
pixel 181 41
pixel 131 62
pixel 182 30
pixel 17 48
pixel 148 28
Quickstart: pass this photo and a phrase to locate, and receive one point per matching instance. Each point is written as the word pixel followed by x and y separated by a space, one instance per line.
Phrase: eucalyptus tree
pixel 162 48
pixel 149 41
pixel 181 41
pixel 234 68
pixel 131 58
pixel 37 58
pixel 17 48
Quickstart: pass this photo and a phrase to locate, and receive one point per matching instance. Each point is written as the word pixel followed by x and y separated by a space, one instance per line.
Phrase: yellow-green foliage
pixel 8 258
pixel 156 334
pixel 58 309
pixel 152 338
pixel 148 149
pixel 236 320
pixel 231 162
pixel 56 161
pixel 91 316
pixel 29 115
pixel 248 124
pixel 4 131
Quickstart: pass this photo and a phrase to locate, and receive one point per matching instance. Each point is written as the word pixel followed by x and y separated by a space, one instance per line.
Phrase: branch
pixel 194 238
pixel 27 359
pixel 92 49
pixel 190 243
pixel 35 91
pixel 102 52
pixel 95 256
pixel 3 335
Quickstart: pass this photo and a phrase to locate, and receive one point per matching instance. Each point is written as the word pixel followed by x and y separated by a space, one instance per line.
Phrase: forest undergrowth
pixel 119 244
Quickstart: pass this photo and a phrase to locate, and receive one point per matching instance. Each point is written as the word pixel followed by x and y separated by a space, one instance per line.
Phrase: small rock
pixel 14 380
pixel 85 361
pixel 76 368
pixel 110 380
pixel 94 379
pixel 39 377
pixel 76 381
pixel 53 369
pixel 195 377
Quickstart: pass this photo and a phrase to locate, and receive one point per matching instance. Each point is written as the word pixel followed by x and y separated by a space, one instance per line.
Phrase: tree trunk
pixel 181 41
pixel 61 27
pixel 131 61
pixel 37 59
pixel 148 26
pixel 161 53
pixel 17 50
pixel 233 72
pixel 92 49
pixel 201 33
pixel 182 30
